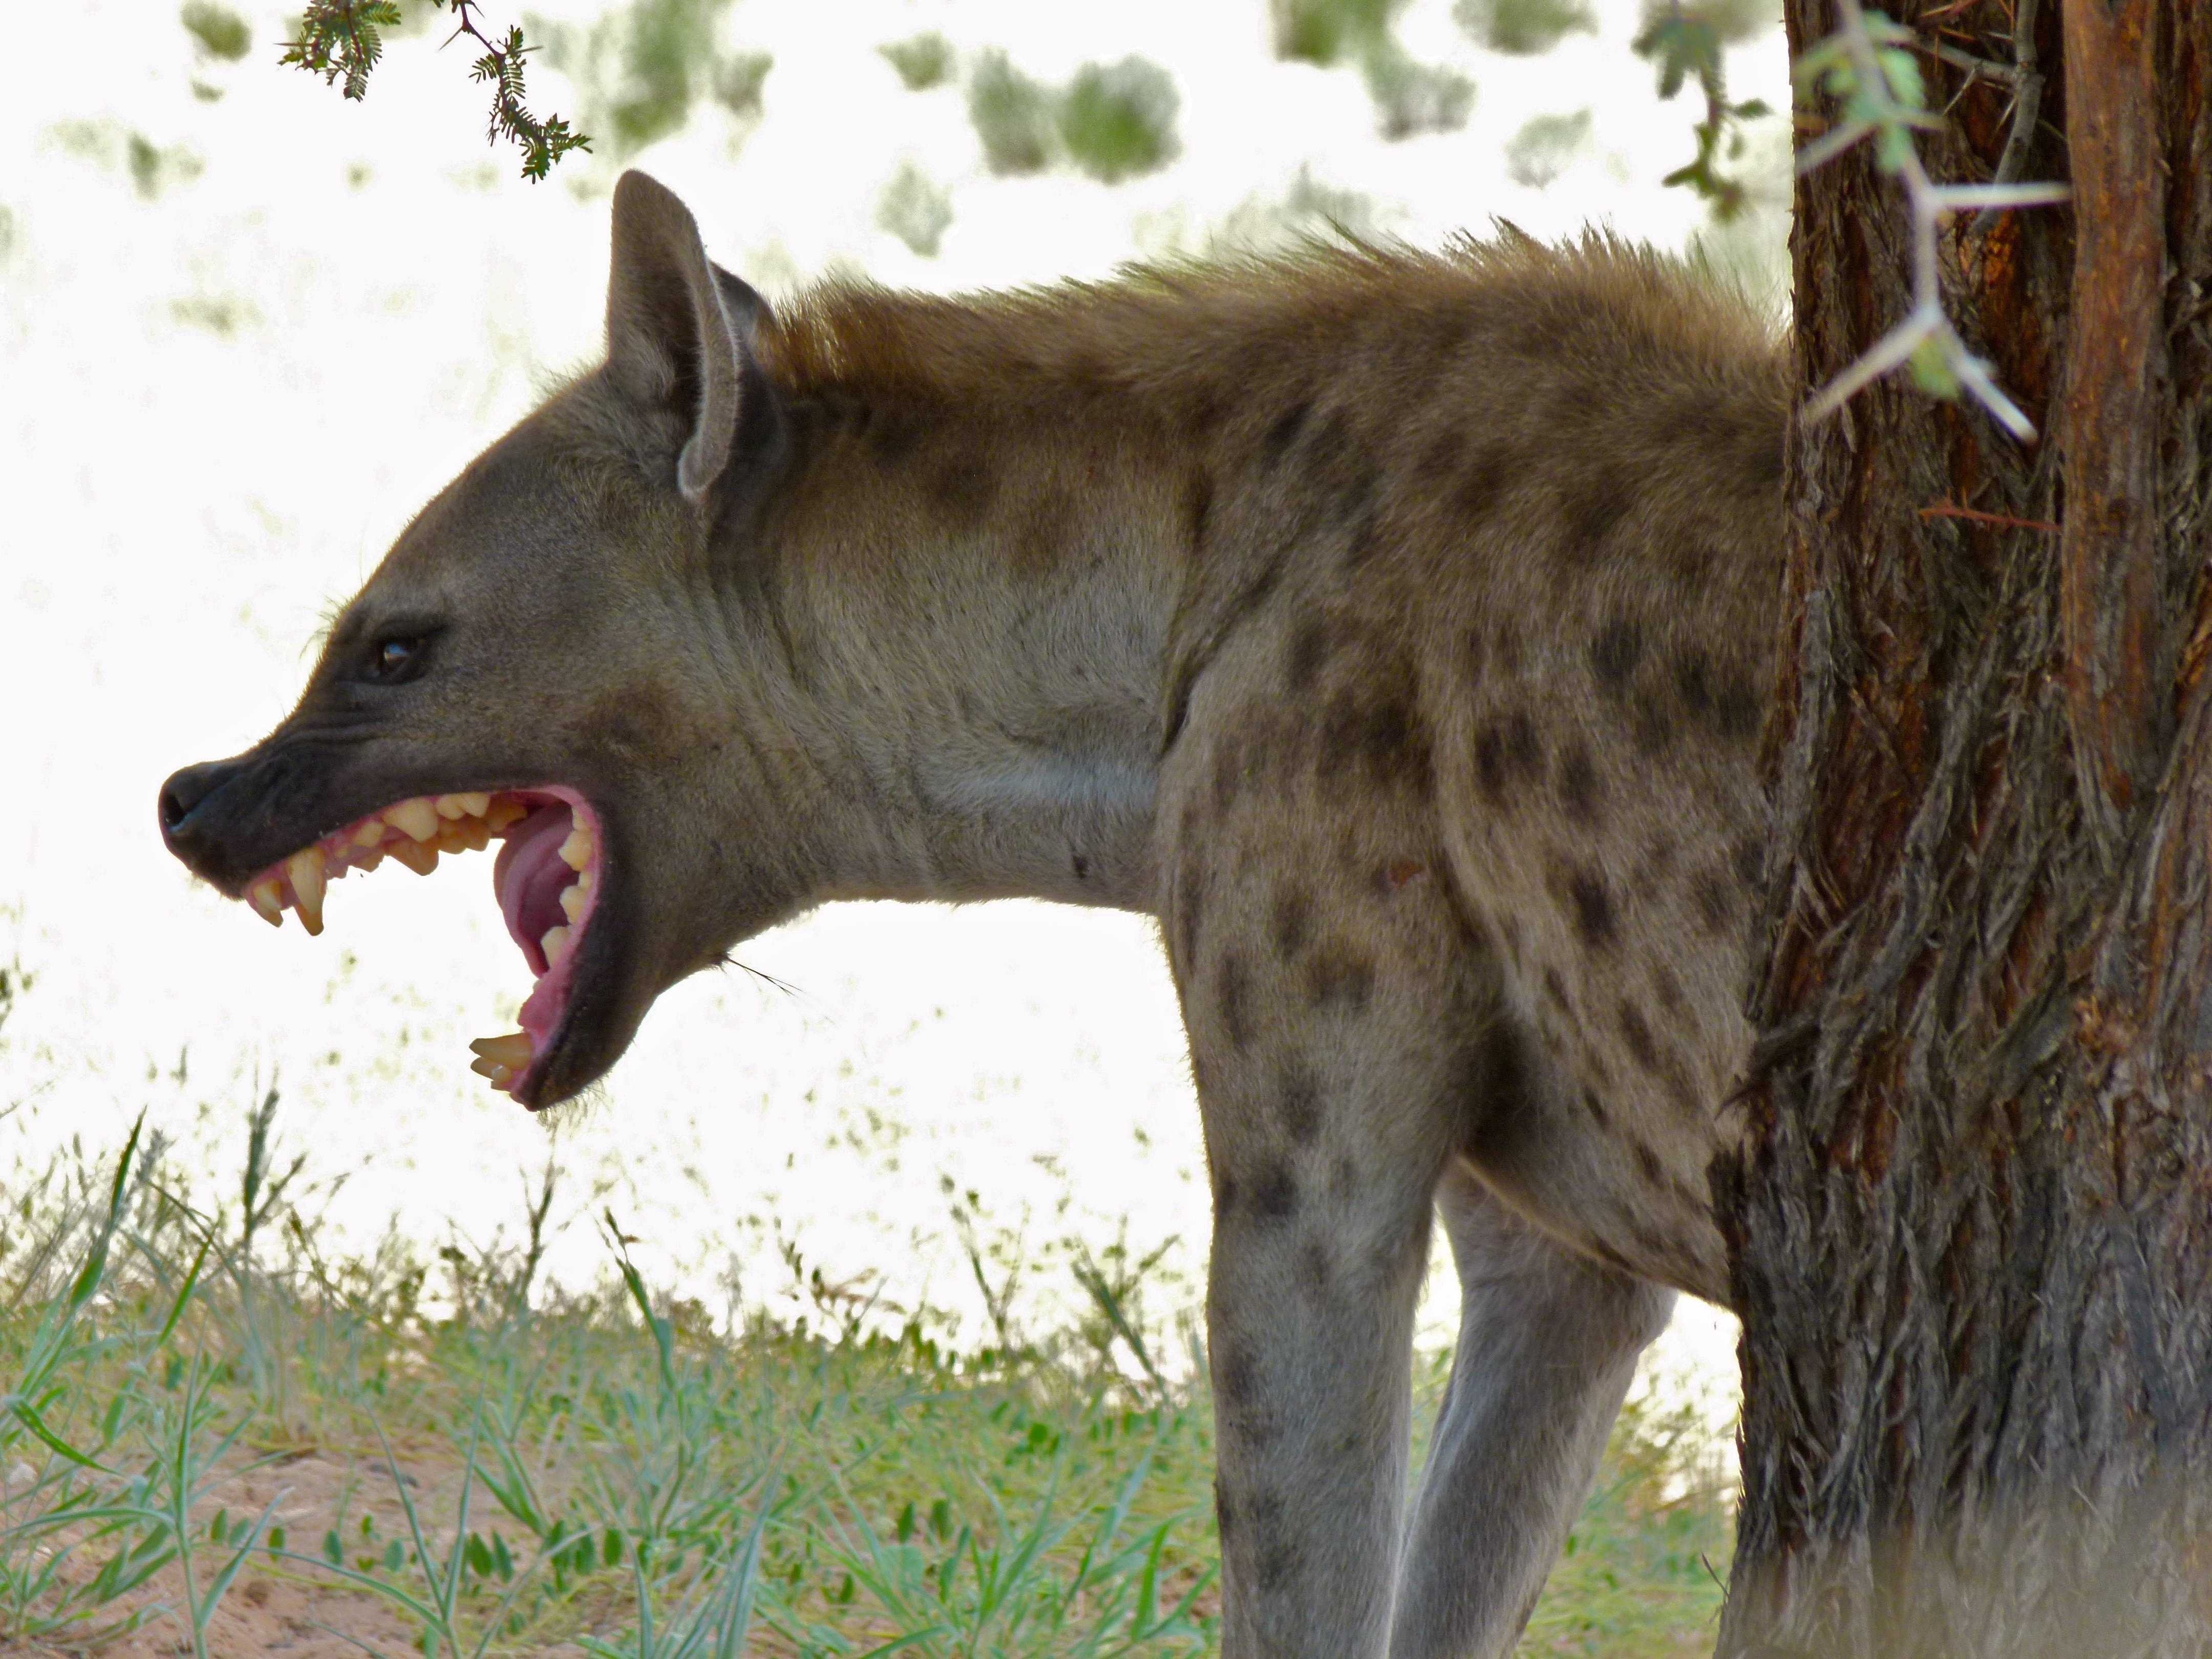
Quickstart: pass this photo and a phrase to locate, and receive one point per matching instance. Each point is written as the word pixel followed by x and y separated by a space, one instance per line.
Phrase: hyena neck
pixel 974 611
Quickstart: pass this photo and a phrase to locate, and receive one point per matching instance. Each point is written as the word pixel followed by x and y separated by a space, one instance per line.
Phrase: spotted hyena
pixel 1394 626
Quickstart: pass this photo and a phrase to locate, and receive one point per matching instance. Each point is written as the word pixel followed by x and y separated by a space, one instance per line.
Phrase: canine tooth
pixel 573 899
pixel 511 1051
pixel 418 817
pixel 370 832
pixel 267 899
pixel 306 870
pixel 418 856
pixel 576 851
pixel 554 944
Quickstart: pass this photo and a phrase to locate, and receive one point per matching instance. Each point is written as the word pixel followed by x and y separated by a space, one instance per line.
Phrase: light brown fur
pixel 1392 626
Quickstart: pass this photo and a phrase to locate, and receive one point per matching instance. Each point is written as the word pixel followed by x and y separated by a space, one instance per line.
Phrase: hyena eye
pixel 396 658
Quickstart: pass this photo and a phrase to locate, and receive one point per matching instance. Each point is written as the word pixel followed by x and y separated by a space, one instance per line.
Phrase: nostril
pixel 183 790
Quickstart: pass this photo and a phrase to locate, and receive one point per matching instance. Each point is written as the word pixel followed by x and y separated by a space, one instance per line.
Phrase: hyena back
pixel 1394 626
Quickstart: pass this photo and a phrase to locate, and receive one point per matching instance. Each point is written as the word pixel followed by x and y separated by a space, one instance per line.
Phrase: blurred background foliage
pixel 642 69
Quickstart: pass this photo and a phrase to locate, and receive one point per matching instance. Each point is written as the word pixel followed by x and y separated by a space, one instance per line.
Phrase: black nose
pixel 180 796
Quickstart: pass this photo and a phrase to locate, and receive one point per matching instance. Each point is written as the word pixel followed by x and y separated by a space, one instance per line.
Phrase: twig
pixel 1999 521
pixel 2027 109
pixel 1852 66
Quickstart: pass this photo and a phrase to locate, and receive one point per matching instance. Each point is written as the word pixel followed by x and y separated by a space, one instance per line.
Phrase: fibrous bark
pixel 1972 1233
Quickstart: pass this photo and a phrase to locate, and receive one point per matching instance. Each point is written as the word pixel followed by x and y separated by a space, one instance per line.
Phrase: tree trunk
pixel 1972 1231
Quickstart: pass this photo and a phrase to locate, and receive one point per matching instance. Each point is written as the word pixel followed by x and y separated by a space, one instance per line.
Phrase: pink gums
pixel 541 1015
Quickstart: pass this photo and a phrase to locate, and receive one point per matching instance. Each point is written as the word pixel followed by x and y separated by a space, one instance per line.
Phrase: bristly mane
pixel 1172 333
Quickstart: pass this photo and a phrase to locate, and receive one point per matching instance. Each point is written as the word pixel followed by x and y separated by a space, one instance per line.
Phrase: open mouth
pixel 547 876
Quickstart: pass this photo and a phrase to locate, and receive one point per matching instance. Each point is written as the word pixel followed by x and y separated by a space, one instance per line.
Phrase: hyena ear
pixel 674 345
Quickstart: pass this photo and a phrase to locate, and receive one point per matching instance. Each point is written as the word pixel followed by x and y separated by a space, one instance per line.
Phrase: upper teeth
pixel 418 817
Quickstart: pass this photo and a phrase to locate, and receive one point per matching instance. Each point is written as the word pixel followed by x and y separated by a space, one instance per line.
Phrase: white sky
pixel 180 506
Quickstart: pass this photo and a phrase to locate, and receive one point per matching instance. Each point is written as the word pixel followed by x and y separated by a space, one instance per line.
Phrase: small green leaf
pixel 1932 370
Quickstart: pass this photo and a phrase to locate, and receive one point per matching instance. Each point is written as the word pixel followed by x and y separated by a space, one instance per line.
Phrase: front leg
pixel 1330 994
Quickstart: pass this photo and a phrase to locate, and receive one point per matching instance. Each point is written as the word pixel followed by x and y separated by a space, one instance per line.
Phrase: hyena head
pixel 542 658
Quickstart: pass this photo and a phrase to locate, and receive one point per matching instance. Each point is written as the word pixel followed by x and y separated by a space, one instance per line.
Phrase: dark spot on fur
pixel 1344 1179
pixel 1592 511
pixel 1524 749
pixel 1490 761
pixel 1224 1198
pixel 1654 731
pixel 1669 984
pixel 1649 1166
pixel 1750 861
pixel 1578 786
pixel 1291 925
pixel 1301 1106
pixel 1277 1564
pixel 1714 902
pixel 1637 1033
pixel 1190 907
pixel 1080 865
pixel 1314 1267
pixel 1495 1075
pixel 1339 978
pixel 1313 639
pixel 1593 909
pixel 1275 1193
pixel 1483 483
pixel 1506 753
pixel 890 434
pixel 1762 456
pixel 1505 644
pixel 1474 653
pixel 1735 710
pixel 1555 991
pixel 1380 737
pixel 1237 1378
pixel 1365 539
pixel 963 489
pixel 1693 682
pixel 1041 536
pixel 1229 773
pixel 1234 988
pixel 1284 433
pixel 1595 1107
pixel 1198 509
pixel 1614 653
pixel 1441 458
pixel 1224 1514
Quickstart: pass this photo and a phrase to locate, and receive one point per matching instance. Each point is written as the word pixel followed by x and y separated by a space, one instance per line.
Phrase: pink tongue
pixel 528 877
